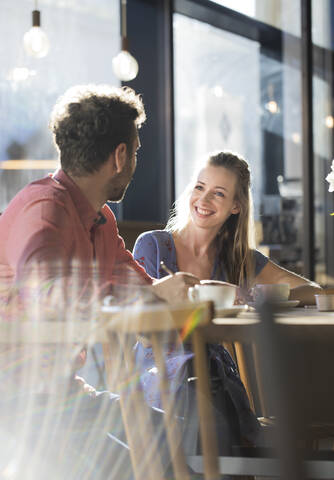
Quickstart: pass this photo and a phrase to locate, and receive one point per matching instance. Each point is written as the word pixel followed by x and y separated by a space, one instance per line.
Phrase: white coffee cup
pixel 325 302
pixel 276 292
pixel 222 295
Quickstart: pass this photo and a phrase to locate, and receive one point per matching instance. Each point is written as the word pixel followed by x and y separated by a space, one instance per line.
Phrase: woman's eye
pixel 198 187
pixel 220 194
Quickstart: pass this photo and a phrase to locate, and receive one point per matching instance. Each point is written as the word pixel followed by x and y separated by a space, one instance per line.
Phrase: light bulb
pixel 35 41
pixel 19 75
pixel 272 107
pixel 125 66
pixel 218 91
pixel 296 137
pixel 329 121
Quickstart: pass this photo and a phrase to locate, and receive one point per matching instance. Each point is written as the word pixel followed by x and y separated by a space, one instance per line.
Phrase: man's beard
pixel 117 195
pixel 117 188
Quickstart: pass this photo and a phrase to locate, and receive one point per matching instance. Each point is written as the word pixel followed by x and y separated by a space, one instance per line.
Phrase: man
pixel 63 219
pixel 60 250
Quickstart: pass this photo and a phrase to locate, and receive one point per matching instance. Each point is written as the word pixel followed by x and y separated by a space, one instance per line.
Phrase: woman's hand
pixel 305 294
pixel 174 288
pixel 82 385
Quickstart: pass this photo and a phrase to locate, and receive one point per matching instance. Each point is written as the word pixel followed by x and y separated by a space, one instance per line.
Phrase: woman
pixel 209 235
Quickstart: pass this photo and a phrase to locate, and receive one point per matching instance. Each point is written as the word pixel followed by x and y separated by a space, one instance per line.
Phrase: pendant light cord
pixel 123 16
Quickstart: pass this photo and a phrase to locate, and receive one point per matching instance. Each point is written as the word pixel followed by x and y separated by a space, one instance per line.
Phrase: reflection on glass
pixel 282 14
pixel 247 7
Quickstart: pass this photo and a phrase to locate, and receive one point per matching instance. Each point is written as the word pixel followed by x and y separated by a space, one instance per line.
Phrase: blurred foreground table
pixel 146 318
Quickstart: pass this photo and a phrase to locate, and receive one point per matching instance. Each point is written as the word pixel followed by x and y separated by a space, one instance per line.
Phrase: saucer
pixel 282 304
pixel 230 311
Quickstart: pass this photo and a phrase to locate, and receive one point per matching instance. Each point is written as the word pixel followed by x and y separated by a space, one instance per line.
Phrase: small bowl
pixel 325 302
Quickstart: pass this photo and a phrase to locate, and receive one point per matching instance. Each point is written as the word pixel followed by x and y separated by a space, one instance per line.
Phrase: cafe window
pixel 233 92
pixel 217 97
pixel 81 35
pixel 238 86
pixel 323 129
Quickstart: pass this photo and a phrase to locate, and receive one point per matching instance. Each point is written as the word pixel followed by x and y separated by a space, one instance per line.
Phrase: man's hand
pixel 174 288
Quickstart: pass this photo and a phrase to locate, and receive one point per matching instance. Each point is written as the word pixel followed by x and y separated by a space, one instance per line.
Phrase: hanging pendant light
pixel 124 65
pixel 272 105
pixel 35 41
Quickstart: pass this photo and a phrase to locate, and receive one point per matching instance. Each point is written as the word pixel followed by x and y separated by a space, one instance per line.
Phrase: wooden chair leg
pixel 229 347
pixel 206 417
pixel 144 451
pixel 173 431
pixel 113 350
pixel 147 446
pixel 241 362
pixel 110 371
pixel 257 369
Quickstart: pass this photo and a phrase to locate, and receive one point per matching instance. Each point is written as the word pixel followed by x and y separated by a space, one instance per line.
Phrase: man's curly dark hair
pixel 89 121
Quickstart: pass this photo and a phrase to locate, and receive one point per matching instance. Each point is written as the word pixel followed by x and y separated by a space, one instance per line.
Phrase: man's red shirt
pixel 51 222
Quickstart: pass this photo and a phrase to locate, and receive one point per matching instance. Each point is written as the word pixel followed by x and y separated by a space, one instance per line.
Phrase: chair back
pixel 296 358
pixel 296 387
pixel 299 351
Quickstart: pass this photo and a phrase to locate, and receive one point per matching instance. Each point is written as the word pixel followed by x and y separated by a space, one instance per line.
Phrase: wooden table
pixel 316 325
pixel 309 388
pixel 140 317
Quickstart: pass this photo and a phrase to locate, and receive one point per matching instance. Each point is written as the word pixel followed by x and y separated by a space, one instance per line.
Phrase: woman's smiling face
pixel 213 197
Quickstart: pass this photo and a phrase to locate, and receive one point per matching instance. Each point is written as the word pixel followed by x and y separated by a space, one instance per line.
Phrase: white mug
pixel 222 295
pixel 277 292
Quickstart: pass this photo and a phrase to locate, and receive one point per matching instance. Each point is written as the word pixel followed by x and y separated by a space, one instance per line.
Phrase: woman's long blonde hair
pixel 235 240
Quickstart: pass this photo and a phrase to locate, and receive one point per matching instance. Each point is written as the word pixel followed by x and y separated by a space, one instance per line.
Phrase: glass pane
pixel 217 97
pixel 323 125
pixel 322 23
pixel 77 32
pixel 282 14
pixel 247 7
pixel 233 94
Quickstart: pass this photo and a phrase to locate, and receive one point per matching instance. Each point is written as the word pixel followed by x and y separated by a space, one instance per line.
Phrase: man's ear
pixel 120 157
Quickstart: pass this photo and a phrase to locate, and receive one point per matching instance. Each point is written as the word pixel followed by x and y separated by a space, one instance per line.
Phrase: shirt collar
pixel 86 212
